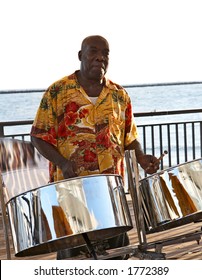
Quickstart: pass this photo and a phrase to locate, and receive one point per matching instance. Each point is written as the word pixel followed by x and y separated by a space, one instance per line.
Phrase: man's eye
pixel 106 53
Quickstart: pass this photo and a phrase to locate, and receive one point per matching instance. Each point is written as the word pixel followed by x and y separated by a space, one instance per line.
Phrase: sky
pixel 151 41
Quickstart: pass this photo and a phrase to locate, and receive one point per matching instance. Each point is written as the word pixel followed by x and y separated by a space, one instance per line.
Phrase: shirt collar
pixel 110 84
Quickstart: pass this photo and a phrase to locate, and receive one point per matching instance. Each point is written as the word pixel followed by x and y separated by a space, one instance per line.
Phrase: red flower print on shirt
pixel 71 107
pixel 52 132
pixel 50 139
pixel 83 113
pixel 103 139
pixel 128 115
pixel 71 118
pixel 82 143
pixel 89 156
pixel 62 130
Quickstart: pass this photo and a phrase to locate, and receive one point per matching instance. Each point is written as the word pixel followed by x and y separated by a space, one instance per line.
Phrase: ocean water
pixel 23 106
pixel 167 98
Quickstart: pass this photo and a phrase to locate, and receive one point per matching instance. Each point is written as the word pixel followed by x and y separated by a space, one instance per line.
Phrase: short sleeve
pixel 45 122
pixel 131 132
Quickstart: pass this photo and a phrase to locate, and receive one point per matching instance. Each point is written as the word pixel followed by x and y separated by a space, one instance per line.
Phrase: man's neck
pixel 91 86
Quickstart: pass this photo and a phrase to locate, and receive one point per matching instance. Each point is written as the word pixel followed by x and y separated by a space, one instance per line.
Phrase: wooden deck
pixel 189 250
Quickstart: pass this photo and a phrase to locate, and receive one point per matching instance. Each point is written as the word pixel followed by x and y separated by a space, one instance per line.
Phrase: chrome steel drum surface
pixel 22 167
pixel 172 197
pixel 54 216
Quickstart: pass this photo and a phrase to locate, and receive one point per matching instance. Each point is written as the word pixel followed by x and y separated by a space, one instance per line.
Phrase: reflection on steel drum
pixel 55 216
pixel 172 197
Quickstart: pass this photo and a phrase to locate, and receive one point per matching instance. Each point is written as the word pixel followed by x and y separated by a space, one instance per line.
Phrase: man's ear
pixel 79 55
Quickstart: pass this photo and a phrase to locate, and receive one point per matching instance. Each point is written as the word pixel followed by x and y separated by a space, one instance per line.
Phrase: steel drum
pixel 55 216
pixel 172 197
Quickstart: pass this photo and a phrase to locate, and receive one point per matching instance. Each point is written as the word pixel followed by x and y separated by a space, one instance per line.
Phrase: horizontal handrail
pixel 161 113
pixel 182 139
pixel 140 114
pixel 14 123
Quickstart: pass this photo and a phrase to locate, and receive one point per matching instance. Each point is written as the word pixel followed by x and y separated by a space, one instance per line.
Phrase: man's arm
pixel 68 167
pixel 148 162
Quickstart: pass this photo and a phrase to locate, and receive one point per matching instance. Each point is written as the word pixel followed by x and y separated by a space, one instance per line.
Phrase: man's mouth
pixel 99 66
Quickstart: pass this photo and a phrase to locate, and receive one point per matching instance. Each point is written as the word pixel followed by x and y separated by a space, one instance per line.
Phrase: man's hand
pixel 68 168
pixel 50 152
pixel 149 163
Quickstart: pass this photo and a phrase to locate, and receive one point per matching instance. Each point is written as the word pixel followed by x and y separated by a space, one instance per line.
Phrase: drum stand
pixel 133 183
pixel 90 247
pixel 142 251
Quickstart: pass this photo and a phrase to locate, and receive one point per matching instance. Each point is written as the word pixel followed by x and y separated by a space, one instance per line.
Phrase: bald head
pixel 94 57
pixel 92 38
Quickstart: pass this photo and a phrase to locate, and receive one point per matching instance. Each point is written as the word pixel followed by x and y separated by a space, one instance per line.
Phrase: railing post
pixel 1 130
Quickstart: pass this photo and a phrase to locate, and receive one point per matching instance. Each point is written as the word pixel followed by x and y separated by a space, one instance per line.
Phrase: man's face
pixel 94 58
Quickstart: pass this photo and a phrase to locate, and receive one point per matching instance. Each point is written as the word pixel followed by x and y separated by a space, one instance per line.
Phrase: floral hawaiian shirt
pixel 92 135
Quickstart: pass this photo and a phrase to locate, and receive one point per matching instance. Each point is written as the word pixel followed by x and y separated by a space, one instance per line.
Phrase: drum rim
pixel 62 181
pixel 168 169
pixel 191 218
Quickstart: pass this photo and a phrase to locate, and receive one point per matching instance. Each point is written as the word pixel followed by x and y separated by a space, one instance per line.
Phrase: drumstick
pixel 164 153
pixel 159 159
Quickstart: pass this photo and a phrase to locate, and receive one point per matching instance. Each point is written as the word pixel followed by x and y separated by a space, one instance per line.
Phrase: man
pixel 85 122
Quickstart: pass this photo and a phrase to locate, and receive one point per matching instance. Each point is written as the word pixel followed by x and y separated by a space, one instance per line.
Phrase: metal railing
pixel 182 140
pixel 22 135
